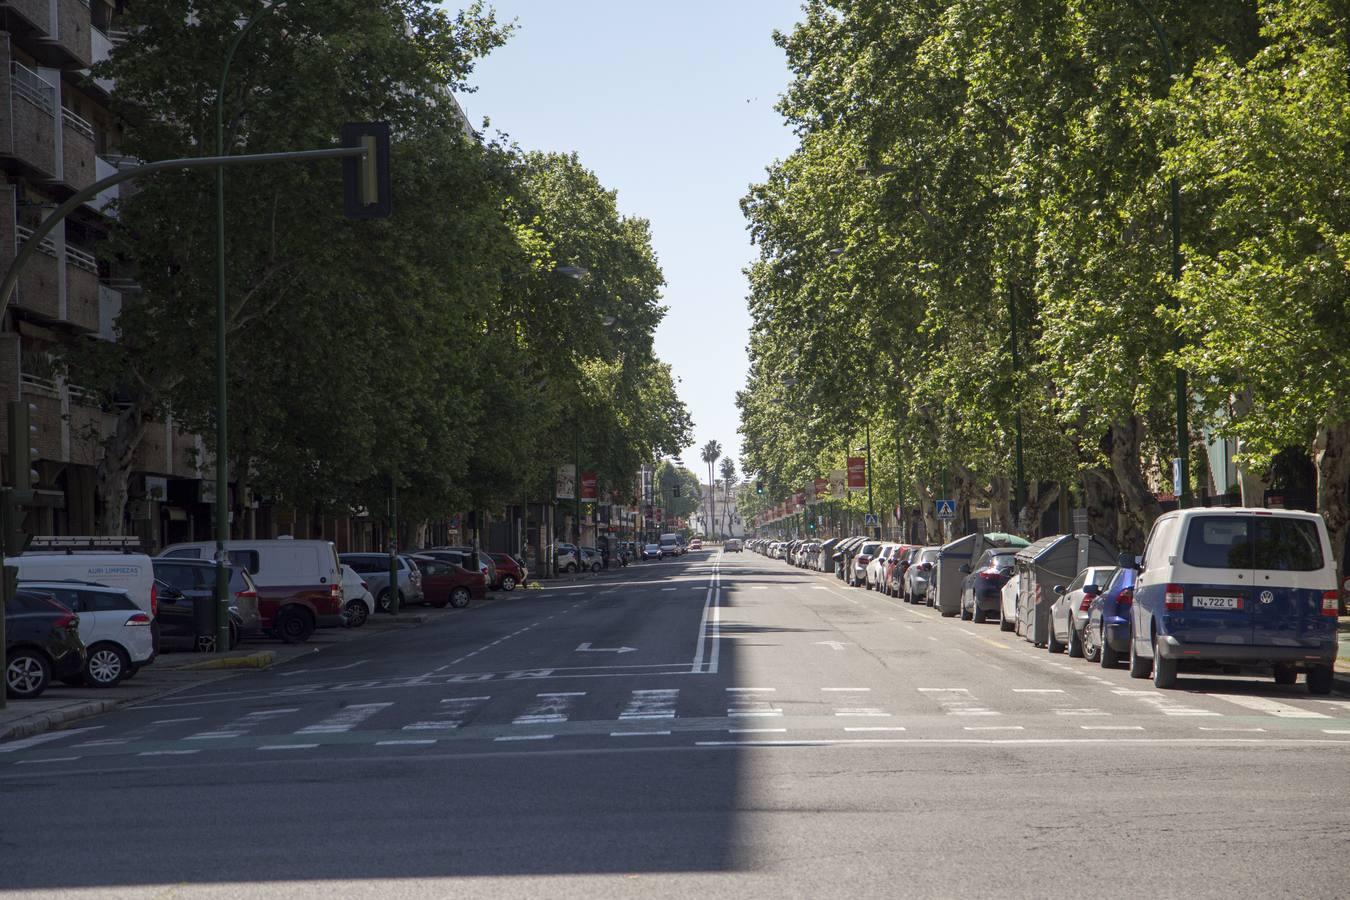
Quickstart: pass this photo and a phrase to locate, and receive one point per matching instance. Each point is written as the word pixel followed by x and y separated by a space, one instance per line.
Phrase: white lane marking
pixel 958 702
pixel 747 708
pixel 931 638
pixel 969 632
pixel 1204 728
pixel 943 690
pixel 1112 727
pixel 664 590
pixel 548 708
pixel 653 704
pixel 37 762
pixel 1334 730
pixel 107 742
pixel 993 728
pixel 25 743
pixel 1271 707
pixel 751 689
pixel 1039 742
pixel 637 733
pixel 288 746
pixel 454 711
pixel 176 721
pixel 861 711
pixel 332 669
pixel 406 743
pixel 168 752
pixel 242 724
pixel 1164 704
pixel 1038 691
pixel 524 737
pixel 697 665
pixel 1061 711
pixel 757 730
pixel 876 728
pixel 846 690
pixel 344 719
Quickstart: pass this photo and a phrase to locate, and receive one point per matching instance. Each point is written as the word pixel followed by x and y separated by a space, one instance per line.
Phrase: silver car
pixel 1069 614
pixel 920 575
pixel 374 570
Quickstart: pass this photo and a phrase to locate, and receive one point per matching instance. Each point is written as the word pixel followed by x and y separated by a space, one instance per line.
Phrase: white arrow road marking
pixel 837 645
pixel 587 648
pixel 333 669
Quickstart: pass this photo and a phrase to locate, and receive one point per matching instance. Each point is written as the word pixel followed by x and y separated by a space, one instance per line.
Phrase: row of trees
pixel 456 347
pixel 971 244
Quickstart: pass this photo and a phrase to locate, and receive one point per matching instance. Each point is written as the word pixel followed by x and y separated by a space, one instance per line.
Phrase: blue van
pixel 1253 587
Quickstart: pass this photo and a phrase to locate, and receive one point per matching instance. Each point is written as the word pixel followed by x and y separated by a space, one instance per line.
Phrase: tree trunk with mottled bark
pixel 1038 501
pixel 1139 508
pixel 1331 453
pixel 112 475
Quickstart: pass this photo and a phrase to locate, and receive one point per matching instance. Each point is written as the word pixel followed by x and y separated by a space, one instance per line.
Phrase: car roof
pixel 82 585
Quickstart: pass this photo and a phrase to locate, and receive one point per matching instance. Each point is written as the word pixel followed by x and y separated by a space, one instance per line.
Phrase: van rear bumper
pixel 1171 648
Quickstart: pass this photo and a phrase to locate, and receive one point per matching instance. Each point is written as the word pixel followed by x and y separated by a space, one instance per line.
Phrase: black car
pixel 42 642
pixel 982 589
pixel 185 584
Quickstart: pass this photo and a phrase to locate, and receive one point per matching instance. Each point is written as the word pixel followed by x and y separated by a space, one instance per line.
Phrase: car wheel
pixel 570 568
pixel 106 666
pixel 976 614
pixel 1003 623
pixel 595 568
pixel 1321 679
pixel 965 613
pixel 1286 675
pixel 357 613
pixel 508 582
pixel 1052 643
pixel 294 625
pixel 26 674
pixel 1106 654
pixel 459 597
pixel 1164 671
pixel 382 601
pixel 1075 643
pixel 1139 667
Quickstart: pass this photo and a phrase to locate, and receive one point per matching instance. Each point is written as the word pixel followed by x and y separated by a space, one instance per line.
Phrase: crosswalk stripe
pixel 453 712
pixel 1271 707
pixel 242 725
pixel 547 708
pixel 652 704
pixel 344 719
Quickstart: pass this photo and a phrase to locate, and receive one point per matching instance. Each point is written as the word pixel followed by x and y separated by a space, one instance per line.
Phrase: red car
pixel 444 582
pixel 509 572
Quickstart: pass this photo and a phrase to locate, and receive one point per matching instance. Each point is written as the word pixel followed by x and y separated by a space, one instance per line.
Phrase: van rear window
pixel 1287 545
pixel 1253 542
pixel 1219 542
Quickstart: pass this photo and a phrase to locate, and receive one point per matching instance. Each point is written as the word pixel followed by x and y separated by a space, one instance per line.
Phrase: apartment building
pixel 57 137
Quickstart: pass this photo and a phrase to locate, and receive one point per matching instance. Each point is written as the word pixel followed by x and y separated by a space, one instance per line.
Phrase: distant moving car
pixel 42 641
pixel 114 630
pixel 652 551
pixel 732 545
pixel 696 544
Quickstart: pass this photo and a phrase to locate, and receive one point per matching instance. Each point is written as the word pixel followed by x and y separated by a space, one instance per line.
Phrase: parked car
pixel 591 560
pixel 1236 587
pixel 652 551
pixel 1069 612
pixel 1009 599
pixel 510 572
pixel 42 642
pixel 460 556
pixel 1106 639
pixel 486 564
pixel 858 568
pixel 872 574
pixel 114 630
pixel 358 603
pixel 184 583
pixel 982 587
pixel 374 570
pixel 566 558
pixel 730 545
pixel 132 572
pixel 299 581
pixel 448 582
pixel 920 574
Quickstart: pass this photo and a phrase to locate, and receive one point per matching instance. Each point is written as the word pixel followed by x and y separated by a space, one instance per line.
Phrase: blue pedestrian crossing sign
pixel 946 509
pixel 871 520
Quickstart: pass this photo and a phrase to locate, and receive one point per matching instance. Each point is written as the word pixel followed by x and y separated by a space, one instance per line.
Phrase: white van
pixel 1236 587
pixel 132 572
pixel 299 582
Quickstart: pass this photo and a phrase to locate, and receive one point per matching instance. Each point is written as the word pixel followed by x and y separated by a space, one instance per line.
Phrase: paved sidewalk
pixel 172 672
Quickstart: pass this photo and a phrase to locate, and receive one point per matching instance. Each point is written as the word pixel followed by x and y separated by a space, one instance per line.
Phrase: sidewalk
pixel 170 673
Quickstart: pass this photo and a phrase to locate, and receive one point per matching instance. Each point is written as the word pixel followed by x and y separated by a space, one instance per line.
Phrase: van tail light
pixel 138 619
pixel 1175 598
pixel 154 599
pixel 1125 597
pixel 1331 603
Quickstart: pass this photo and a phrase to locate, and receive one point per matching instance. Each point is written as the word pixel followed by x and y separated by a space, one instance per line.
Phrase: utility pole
pixel 393 544
pixel 871 508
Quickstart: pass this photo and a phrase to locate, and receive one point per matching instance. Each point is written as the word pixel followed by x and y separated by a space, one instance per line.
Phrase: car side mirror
pixel 1058 589
pixel 965 568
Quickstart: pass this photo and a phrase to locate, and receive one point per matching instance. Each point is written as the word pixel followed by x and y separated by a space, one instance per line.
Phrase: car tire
pixel 1107 656
pixel 382 601
pixel 570 568
pixel 977 615
pixel 965 613
pixel 460 597
pixel 1321 679
pixel 1052 643
pixel 1139 667
pixel 1075 643
pixel 508 582
pixel 1286 675
pixel 106 666
pixel 1164 671
pixel 27 674
pixel 294 625
pixel 595 568
pixel 357 613
pixel 1003 623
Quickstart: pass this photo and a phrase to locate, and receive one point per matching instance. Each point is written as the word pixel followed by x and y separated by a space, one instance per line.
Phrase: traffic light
pixel 367 189
pixel 759 487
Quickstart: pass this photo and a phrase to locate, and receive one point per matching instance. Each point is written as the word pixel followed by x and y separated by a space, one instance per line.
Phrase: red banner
pixel 820 486
pixel 798 500
pixel 590 487
pixel 857 473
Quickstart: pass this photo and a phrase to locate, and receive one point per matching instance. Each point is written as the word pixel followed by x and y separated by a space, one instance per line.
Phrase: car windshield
pixel 869 549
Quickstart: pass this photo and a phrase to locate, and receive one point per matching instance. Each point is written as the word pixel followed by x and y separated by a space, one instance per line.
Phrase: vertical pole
pixel 899 482
pixel 871 508
pixel 222 433
pixel 576 487
pixel 393 544
pixel 1019 486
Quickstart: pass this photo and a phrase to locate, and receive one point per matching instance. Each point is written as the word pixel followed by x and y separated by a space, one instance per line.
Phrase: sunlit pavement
pixel 726 725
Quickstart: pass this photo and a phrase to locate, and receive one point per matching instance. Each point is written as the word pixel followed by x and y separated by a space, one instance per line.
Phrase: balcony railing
pixel 24 235
pixel 79 123
pixel 81 259
pixel 82 396
pixel 33 87
pixel 36 384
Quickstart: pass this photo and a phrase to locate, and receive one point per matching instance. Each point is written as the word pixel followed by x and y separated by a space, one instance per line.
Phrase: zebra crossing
pixel 670 712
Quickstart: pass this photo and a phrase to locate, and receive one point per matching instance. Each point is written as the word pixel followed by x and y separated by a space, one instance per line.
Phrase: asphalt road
pixel 720 726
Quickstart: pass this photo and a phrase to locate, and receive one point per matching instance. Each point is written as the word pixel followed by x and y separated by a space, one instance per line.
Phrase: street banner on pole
pixel 819 488
pixel 838 484
pixel 590 487
pixel 798 500
pixel 566 483
pixel 857 473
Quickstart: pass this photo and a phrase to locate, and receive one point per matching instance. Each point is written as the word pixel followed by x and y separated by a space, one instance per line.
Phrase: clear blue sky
pixel 671 104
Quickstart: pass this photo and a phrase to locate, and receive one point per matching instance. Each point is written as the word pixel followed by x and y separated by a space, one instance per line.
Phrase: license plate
pixel 1216 602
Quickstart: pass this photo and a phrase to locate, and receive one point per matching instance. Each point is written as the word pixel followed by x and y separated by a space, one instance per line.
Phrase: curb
pixel 260 660
pixel 47 721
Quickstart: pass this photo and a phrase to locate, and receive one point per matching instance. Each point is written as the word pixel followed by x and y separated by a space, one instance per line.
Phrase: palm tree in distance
pixel 728 469
pixel 711 451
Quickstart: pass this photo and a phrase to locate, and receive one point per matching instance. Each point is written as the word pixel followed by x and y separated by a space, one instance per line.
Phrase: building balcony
pixel 101 201
pixel 102 47
pixel 78 160
pixel 82 300
pixel 109 308
pixel 56 32
pixel 28 109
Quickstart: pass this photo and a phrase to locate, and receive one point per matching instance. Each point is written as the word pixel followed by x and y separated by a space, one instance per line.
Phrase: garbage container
pixel 204 623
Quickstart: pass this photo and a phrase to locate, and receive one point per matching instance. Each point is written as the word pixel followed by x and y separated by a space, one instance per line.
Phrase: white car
pixel 874 568
pixel 358 604
pixel 115 630
pixel 1010 597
